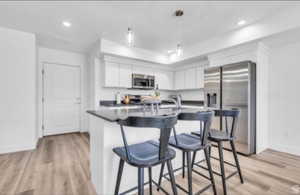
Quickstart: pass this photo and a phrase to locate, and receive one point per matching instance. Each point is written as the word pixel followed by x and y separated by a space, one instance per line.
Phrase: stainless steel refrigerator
pixel 234 86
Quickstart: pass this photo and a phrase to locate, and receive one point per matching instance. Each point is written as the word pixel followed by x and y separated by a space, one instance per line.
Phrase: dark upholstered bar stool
pixel 231 117
pixel 149 153
pixel 188 143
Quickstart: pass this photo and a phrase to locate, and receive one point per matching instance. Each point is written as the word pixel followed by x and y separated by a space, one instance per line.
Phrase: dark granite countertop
pixel 112 115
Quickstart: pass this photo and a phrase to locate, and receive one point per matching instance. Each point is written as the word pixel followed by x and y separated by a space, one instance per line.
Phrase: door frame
pixel 41 103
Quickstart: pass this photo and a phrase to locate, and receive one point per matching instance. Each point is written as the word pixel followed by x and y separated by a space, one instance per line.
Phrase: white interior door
pixel 61 99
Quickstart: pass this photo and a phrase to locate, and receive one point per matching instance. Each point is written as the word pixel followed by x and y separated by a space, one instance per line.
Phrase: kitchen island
pixel 105 134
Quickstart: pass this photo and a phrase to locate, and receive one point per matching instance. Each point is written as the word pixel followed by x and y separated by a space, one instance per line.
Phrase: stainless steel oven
pixel 140 81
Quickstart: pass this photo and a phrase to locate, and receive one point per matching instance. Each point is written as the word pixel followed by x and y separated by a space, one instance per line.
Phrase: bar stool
pixel 188 143
pixel 224 136
pixel 146 154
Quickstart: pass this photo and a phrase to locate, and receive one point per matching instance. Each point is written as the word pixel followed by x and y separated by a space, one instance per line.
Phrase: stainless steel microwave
pixel 141 81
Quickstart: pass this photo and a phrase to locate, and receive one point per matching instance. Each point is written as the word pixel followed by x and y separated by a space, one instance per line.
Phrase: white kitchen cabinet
pixel 164 79
pixel 199 77
pixel 111 77
pixel 190 78
pixel 179 79
pixel 169 81
pixel 125 75
pixel 142 70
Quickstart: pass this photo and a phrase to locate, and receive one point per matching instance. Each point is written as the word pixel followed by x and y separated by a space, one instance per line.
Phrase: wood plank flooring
pixel 60 166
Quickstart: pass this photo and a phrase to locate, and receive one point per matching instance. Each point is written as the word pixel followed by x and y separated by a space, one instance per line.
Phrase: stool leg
pixel 209 150
pixel 150 180
pixel 140 181
pixel 172 177
pixel 236 161
pixel 207 157
pixel 120 171
pixel 194 157
pixel 220 148
pixel 161 174
pixel 183 164
pixel 189 165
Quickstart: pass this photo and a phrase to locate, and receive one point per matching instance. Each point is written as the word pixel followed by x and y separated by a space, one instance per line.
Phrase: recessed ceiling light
pixel 241 22
pixel 67 23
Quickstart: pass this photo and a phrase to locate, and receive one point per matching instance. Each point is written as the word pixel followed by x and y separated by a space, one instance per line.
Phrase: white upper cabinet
pixel 200 77
pixel 190 78
pixel 164 79
pixel 125 75
pixel 111 77
pixel 179 80
pixel 142 70
pixel 118 73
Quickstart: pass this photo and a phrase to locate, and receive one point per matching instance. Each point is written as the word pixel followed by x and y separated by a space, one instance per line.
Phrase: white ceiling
pixel 153 23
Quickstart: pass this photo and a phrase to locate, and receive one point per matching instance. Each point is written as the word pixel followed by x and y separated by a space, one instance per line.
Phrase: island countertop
pixel 112 115
pixel 105 134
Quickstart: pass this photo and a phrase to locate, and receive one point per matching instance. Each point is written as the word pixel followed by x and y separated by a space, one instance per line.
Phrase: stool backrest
pixel 204 118
pixel 227 115
pixel 160 122
pixel 164 123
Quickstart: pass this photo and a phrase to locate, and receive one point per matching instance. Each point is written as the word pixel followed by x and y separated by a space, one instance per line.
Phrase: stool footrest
pixel 226 162
pixel 200 166
pixel 183 189
pixel 136 187
pixel 219 174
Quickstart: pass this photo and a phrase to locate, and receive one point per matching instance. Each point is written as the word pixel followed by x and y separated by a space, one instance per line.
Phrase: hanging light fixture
pixel 179 13
pixel 178 50
pixel 130 37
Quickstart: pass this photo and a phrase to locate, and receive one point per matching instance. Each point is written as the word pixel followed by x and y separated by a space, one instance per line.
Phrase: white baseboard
pixel 61 132
pixel 17 148
pixel 286 149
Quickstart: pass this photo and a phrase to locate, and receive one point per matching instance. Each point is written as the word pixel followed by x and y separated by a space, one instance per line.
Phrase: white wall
pixel 46 55
pixel 18 91
pixel 262 97
pixel 284 106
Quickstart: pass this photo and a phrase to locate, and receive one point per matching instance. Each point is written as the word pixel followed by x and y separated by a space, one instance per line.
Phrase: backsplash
pixel 196 95
pixel 109 93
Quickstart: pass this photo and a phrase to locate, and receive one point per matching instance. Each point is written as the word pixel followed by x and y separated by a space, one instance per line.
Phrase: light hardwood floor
pixel 60 165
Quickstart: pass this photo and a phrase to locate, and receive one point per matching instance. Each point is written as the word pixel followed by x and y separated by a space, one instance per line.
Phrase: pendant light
pixel 178 50
pixel 179 14
pixel 130 37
